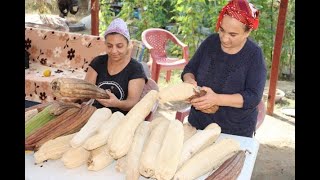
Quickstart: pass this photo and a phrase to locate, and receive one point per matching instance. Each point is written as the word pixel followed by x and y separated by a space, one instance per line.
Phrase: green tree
pixel 191 17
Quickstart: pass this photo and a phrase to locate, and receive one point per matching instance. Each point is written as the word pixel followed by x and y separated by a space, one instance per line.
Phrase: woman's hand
pixel 191 81
pixel 189 78
pixel 113 101
pixel 206 101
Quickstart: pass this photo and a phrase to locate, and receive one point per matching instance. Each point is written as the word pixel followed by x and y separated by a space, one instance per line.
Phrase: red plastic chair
pixel 180 115
pixel 150 85
pixel 261 114
pixel 155 40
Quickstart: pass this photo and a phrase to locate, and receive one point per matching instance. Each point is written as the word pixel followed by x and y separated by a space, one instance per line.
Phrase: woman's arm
pixel 194 63
pixel 248 98
pixel 255 81
pixel 135 89
pixel 189 78
pixel 232 100
pixel 91 75
pixel 211 98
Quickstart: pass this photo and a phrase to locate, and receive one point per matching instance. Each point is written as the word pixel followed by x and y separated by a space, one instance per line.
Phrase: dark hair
pixel 113 33
pixel 246 28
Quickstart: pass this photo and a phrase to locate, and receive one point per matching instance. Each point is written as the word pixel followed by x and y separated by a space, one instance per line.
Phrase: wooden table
pixel 54 169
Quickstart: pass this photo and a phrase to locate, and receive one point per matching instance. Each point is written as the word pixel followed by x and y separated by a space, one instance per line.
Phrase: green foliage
pixel 265 35
pixel 154 14
pixel 41 6
pixel 105 16
pixel 190 22
pixel 174 79
pixel 189 18
pixel 288 47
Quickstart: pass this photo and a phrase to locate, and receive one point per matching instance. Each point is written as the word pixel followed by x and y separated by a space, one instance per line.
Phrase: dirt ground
pixel 276 135
pixel 276 156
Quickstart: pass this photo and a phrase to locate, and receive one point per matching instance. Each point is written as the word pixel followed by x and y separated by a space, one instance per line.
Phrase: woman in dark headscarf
pixel 231 68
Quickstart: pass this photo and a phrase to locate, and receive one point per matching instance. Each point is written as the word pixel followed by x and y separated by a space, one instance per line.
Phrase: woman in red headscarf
pixel 230 67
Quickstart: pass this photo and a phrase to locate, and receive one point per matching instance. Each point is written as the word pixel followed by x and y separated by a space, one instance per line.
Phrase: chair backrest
pixel 261 114
pixel 150 85
pixel 155 39
pixel 137 50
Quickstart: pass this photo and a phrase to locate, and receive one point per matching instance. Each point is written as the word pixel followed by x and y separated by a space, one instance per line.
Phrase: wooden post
pixel 95 17
pixel 276 56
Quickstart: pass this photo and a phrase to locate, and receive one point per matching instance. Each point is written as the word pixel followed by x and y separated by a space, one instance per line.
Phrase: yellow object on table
pixel 47 73
pixel 28 152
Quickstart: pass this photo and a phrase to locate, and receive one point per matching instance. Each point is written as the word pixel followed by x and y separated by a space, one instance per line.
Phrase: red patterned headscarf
pixel 242 11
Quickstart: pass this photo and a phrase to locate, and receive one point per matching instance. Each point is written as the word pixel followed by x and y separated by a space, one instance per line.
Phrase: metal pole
pixel 276 56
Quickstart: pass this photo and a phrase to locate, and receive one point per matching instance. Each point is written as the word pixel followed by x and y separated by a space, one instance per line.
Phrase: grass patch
pixel 175 78
pixel 285 102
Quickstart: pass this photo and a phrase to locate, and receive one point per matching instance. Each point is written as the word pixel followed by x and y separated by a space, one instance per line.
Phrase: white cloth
pixel 54 169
